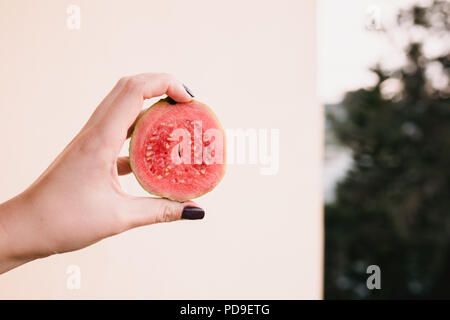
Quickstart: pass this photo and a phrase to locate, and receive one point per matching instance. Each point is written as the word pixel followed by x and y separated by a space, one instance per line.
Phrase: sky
pixel 348 44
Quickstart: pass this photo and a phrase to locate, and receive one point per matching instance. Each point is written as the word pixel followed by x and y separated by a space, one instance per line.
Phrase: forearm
pixel 9 263
pixel 12 237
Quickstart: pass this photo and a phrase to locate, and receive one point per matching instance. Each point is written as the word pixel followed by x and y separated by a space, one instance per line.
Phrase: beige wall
pixel 253 62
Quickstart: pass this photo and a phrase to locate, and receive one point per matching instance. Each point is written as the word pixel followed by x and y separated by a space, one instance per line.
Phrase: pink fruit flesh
pixel 153 142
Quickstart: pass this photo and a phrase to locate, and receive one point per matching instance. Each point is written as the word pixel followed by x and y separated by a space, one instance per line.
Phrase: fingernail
pixel 171 101
pixel 192 213
pixel 188 90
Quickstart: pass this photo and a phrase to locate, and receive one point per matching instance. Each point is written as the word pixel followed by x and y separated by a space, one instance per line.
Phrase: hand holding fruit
pixel 78 201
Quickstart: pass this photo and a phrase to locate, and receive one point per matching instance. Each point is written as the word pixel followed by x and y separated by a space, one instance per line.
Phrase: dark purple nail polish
pixel 170 100
pixel 192 213
pixel 188 91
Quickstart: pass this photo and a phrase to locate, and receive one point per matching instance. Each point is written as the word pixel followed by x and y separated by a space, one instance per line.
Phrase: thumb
pixel 145 211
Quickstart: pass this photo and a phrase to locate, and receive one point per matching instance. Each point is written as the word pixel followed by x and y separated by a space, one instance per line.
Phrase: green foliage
pixel 392 209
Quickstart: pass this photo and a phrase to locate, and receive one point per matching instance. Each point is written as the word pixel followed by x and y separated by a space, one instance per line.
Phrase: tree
pixel 392 209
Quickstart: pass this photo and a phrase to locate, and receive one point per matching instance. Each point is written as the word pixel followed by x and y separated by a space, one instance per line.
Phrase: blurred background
pixel 384 81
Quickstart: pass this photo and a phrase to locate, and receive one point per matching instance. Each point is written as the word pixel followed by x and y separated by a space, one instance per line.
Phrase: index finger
pixel 123 110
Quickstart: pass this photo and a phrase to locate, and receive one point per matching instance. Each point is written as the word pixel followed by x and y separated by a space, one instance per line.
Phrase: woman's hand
pixel 78 201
